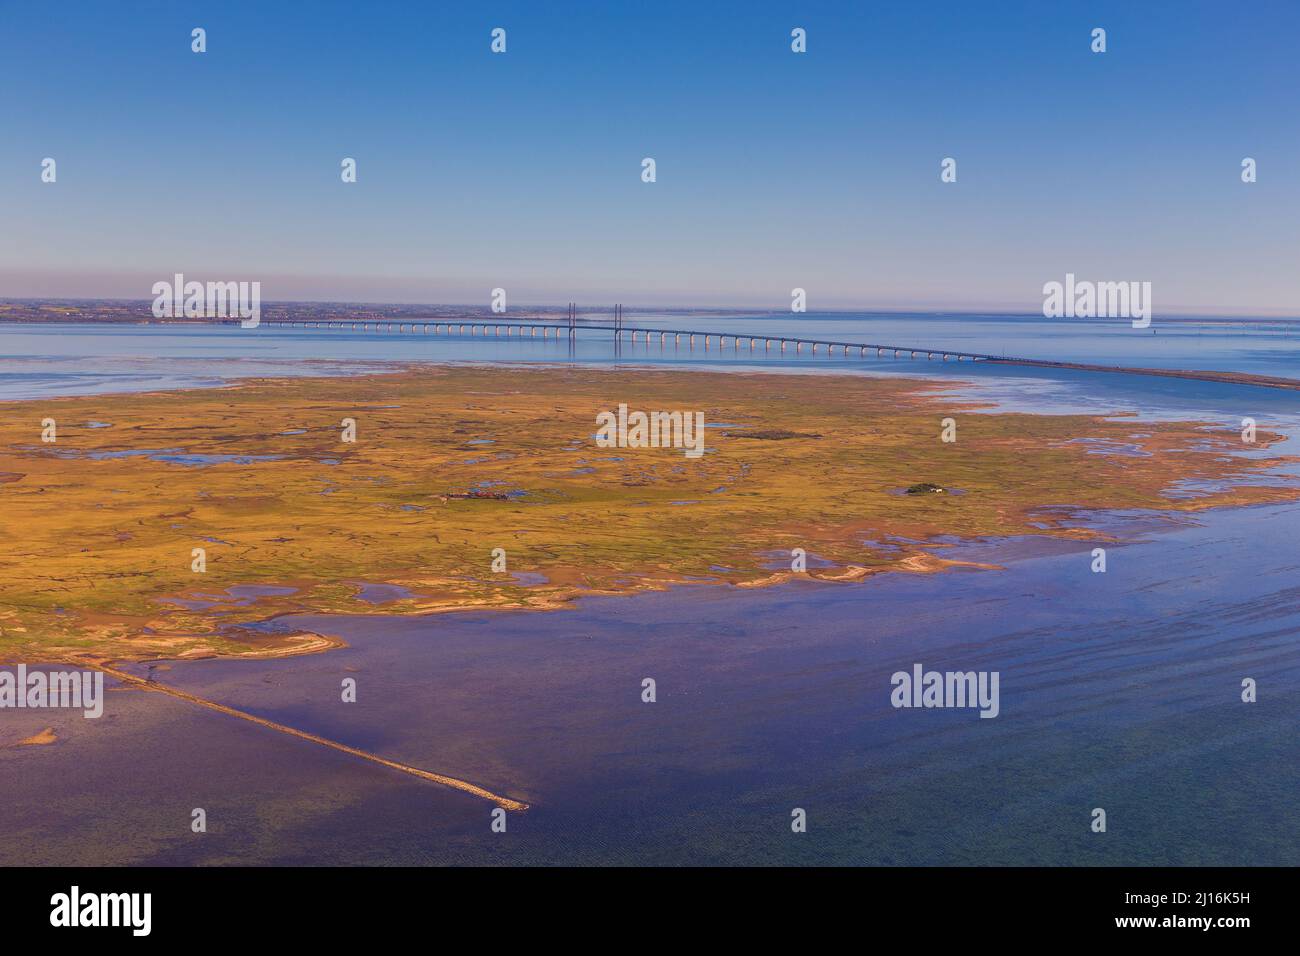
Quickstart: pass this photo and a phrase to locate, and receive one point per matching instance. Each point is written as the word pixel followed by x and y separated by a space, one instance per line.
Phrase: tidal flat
pixel 451 463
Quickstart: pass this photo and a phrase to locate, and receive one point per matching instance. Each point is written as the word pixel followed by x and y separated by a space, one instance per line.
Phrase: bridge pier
pixel 637 336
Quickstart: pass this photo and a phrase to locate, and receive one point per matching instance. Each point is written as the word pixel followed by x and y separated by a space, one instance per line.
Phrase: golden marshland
pixel 98 529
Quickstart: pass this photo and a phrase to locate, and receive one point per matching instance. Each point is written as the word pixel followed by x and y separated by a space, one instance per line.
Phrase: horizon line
pixel 1180 312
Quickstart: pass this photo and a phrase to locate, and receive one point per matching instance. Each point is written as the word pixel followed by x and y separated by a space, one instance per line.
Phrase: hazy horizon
pixel 671 306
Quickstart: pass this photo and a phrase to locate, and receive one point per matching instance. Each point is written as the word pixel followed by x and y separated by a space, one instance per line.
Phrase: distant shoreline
pixel 138 311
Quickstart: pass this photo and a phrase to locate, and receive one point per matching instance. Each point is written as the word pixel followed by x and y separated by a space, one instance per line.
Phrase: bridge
pixel 740 342
pixel 679 338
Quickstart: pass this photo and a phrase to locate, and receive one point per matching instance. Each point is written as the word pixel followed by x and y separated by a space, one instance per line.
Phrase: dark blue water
pixel 1119 691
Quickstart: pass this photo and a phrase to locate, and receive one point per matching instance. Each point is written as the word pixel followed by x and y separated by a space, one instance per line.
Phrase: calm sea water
pixel 85 359
pixel 1119 691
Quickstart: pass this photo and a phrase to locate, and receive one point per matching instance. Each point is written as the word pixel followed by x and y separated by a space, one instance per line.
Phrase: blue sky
pixel 775 170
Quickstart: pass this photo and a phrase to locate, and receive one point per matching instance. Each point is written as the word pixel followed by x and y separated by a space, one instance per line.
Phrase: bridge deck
pixel 1238 378
pixel 639 330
